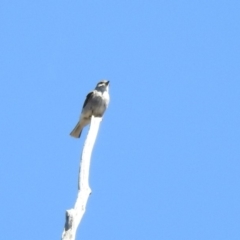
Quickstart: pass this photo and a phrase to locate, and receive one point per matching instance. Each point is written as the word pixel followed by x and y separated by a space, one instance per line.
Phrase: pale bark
pixel 74 215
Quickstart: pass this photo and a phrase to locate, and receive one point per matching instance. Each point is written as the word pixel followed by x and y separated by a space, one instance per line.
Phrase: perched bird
pixel 95 104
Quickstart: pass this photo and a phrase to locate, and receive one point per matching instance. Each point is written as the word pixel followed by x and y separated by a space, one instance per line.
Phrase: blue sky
pixel 166 161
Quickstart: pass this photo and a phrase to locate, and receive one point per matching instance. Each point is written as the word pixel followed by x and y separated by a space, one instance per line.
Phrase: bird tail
pixel 76 132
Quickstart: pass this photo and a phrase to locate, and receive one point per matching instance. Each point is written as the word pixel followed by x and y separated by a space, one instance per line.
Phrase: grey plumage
pixel 95 104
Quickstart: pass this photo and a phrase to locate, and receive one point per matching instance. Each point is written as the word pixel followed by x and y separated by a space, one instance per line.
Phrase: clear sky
pixel 166 164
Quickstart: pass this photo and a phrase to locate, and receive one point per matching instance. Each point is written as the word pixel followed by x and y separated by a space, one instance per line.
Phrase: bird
pixel 95 104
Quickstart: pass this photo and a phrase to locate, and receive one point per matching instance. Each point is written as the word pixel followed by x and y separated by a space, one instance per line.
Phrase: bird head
pixel 102 85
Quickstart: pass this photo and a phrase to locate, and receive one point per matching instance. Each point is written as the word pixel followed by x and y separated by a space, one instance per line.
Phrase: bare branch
pixel 74 215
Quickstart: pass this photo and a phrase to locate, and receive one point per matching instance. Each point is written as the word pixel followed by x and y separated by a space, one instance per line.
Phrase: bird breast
pixel 100 103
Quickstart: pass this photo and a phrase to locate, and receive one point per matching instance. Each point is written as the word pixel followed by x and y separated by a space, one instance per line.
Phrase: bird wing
pixel 88 98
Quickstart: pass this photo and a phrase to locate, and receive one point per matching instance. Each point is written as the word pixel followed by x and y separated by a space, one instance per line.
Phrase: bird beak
pixel 108 83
